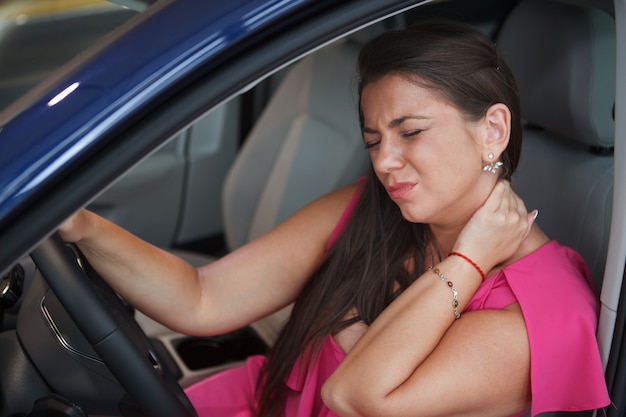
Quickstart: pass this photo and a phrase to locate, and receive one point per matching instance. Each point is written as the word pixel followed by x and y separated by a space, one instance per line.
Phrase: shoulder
pixel 333 205
pixel 554 268
pixel 344 196
pixel 317 221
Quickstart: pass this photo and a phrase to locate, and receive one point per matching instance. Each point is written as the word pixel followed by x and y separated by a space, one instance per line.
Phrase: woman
pixel 380 271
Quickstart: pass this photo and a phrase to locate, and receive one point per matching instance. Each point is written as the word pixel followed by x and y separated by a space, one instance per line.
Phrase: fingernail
pixel 536 214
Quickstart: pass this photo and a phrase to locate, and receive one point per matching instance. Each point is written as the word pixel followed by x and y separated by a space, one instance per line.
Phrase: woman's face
pixel 424 151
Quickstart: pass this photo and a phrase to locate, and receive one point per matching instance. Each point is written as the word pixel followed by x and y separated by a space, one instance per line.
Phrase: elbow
pixel 350 400
pixel 337 398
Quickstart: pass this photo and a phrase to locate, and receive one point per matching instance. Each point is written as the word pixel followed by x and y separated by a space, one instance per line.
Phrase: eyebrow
pixel 396 122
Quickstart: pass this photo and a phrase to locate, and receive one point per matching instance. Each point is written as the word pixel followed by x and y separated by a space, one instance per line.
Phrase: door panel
pixel 175 195
pixel 147 199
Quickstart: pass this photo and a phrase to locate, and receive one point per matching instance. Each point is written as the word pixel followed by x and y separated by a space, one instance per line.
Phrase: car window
pixel 38 37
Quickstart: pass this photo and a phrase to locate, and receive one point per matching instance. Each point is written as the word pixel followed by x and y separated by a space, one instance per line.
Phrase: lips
pixel 400 190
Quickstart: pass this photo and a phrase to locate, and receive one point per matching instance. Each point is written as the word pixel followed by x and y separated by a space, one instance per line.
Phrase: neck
pixel 443 241
pixel 446 235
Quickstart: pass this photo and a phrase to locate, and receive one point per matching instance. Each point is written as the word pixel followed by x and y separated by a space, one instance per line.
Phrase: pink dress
pixel 552 286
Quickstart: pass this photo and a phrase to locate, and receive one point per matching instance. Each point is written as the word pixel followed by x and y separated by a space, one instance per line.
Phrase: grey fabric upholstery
pixel 563 57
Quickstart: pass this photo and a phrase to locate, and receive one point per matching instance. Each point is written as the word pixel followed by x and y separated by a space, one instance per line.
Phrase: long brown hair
pixel 368 259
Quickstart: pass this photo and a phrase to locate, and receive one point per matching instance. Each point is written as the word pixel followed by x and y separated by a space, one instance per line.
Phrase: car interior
pixel 566 164
pixel 228 184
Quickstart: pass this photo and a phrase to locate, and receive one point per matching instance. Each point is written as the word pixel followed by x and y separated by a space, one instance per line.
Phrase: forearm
pixel 239 288
pixel 142 273
pixel 399 341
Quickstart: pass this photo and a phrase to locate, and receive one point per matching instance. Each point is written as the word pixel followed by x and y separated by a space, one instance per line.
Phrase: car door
pixel 178 187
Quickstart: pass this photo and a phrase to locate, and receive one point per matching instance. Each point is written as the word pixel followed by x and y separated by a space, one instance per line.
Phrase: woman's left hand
pixel 497 229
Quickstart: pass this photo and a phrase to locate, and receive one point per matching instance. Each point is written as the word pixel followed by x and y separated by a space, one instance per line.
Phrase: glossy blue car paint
pixel 76 108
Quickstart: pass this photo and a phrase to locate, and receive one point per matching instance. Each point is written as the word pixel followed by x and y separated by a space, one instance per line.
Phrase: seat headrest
pixel 563 57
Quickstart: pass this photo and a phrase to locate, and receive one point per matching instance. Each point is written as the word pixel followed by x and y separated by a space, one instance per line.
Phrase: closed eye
pixel 412 133
pixel 371 144
pixel 406 135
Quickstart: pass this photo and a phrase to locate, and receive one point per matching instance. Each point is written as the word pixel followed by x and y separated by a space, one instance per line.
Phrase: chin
pixel 413 216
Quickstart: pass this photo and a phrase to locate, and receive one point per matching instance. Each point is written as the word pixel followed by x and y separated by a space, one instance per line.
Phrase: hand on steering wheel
pixel 121 344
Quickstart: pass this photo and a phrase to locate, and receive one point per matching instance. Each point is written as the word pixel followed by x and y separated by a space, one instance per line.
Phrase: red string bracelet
pixel 474 264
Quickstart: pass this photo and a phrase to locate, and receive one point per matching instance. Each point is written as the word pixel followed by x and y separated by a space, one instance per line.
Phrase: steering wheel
pixel 124 348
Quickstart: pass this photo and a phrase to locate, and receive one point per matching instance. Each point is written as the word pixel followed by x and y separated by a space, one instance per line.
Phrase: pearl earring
pixel 493 167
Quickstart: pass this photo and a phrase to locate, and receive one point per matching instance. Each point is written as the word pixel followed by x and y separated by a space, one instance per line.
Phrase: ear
pixel 497 130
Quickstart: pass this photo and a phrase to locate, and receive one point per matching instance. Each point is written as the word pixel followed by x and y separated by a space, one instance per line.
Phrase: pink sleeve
pixel 343 220
pixel 552 287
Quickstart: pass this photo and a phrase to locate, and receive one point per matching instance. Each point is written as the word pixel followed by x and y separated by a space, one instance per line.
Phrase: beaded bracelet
pixel 455 293
pixel 474 264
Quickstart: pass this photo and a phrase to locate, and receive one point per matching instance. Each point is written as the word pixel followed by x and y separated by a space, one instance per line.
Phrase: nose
pixel 388 157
